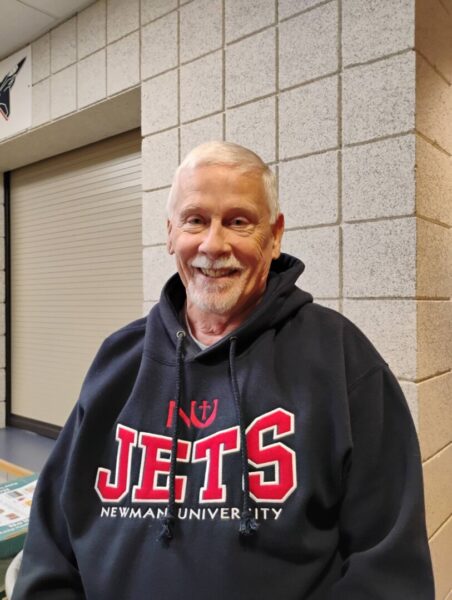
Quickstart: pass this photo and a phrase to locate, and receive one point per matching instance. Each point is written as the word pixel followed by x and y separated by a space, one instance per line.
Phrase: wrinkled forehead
pixel 219 180
pixel 219 188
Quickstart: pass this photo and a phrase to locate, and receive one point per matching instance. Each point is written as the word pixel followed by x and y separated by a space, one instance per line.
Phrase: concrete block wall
pixel 87 59
pixel 325 93
pixel 349 102
pixel 434 273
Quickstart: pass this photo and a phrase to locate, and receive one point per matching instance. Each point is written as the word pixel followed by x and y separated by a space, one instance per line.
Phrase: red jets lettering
pixel 114 492
pixel 153 485
pixel 279 456
pixel 212 449
pixel 154 464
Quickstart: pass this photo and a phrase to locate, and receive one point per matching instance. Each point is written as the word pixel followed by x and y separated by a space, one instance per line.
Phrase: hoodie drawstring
pixel 169 519
pixel 248 524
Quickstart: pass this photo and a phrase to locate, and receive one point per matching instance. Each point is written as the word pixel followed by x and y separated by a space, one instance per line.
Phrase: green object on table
pixel 15 501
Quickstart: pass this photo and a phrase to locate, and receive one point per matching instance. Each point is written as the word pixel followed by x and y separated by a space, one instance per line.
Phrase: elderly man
pixel 242 441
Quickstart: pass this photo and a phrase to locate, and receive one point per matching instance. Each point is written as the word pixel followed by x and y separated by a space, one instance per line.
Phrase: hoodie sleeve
pixel 49 570
pixel 383 538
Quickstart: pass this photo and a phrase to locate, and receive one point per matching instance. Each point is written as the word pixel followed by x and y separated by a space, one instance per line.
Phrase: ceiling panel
pixel 58 8
pixel 22 21
pixel 20 24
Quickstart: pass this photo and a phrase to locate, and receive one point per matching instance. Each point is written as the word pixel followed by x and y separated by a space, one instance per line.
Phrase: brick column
pixel 434 273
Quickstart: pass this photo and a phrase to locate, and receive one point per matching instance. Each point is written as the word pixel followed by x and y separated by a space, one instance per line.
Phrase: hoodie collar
pixel 280 299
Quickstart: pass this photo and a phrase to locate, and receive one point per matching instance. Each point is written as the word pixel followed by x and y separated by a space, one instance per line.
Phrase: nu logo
pixel 201 416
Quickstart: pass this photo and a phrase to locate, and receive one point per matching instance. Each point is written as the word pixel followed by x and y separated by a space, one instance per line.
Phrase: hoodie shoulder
pixel 125 342
pixel 134 327
pixel 125 339
pixel 116 362
pixel 350 343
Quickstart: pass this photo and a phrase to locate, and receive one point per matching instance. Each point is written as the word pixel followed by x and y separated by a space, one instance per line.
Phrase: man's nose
pixel 215 241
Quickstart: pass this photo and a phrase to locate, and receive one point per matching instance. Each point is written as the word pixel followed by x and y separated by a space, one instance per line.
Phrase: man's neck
pixel 209 328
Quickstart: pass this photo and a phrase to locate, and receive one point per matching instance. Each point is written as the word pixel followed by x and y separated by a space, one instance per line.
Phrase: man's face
pixel 221 235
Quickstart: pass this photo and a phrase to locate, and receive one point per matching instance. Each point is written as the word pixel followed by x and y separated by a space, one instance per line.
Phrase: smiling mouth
pixel 217 273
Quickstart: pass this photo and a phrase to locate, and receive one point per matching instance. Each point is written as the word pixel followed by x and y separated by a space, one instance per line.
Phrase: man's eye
pixel 239 222
pixel 194 221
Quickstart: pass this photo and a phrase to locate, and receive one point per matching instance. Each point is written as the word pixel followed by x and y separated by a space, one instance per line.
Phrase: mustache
pixel 202 262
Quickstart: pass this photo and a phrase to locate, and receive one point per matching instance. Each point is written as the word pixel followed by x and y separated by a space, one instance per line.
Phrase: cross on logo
pixel 208 413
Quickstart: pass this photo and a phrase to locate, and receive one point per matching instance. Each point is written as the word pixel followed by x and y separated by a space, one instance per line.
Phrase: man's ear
pixel 169 245
pixel 278 230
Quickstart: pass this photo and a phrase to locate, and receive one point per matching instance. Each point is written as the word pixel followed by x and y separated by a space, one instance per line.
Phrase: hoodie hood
pixel 280 300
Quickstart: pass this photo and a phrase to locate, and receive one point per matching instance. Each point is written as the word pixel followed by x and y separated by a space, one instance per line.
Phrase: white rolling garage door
pixel 76 269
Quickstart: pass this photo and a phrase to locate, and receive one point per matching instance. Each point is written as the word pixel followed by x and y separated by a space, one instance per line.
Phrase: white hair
pixel 227 154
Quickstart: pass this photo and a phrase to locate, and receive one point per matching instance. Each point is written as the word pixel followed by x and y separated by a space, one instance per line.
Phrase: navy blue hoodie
pixel 298 402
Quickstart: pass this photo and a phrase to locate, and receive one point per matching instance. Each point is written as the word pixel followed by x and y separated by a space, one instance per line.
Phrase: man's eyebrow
pixel 190 208
pixel 244 209
pixel 249 212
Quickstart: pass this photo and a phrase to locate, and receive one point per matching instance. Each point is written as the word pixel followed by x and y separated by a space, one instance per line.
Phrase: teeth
pixel 216 272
